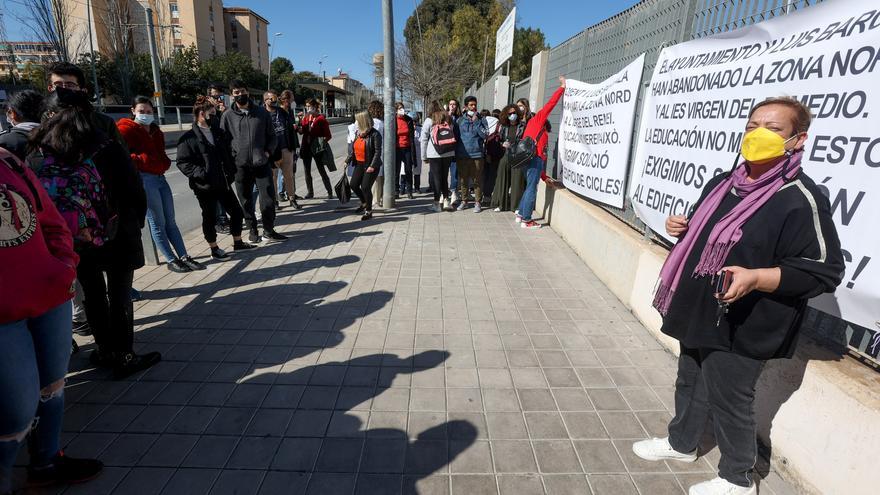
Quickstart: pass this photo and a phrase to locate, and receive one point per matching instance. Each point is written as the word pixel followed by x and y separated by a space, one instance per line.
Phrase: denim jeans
pixel 34 354
pixel 532 172
pixel 405 181
pixel 160 217
pixel 453 176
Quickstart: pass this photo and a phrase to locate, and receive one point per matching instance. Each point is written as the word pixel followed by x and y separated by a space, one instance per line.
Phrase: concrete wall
pixel 817 413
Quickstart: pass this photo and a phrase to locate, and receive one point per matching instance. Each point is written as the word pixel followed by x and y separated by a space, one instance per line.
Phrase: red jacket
pixel 539 120
pixel 146 145
pixel 314 126
pixel 37 261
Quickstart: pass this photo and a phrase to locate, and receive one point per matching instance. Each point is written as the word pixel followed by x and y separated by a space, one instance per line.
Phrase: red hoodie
pixel 539 120
pixel 146 145
pixel 37 261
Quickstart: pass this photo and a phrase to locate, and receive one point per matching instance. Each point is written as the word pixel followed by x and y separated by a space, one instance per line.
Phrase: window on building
pixel 174 11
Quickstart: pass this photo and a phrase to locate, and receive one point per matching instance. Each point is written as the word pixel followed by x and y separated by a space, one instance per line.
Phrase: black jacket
pixel 373 149
pixel 208 166
pixel 793 231
pixel 251 135
pixel 15 141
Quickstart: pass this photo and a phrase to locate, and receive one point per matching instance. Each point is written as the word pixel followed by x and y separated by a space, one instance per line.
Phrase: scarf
pixel 728 231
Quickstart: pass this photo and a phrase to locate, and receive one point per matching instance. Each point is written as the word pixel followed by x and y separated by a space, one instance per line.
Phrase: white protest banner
pixel 504 39
pixel 696 107
pixel 596 132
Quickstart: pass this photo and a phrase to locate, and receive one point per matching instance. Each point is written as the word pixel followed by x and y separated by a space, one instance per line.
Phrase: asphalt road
pixel 186 208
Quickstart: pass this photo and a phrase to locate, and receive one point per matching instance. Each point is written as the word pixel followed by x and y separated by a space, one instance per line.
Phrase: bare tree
pixel 51 22
pixel 430 68
pixel 117 23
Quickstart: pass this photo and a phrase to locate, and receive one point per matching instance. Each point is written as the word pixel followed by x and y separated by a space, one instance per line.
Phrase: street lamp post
pixel 271 45
pixel 323 80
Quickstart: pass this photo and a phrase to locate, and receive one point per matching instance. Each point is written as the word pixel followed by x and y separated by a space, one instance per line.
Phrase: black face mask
pixel 73 98
pixel 242 99
pixel 211 120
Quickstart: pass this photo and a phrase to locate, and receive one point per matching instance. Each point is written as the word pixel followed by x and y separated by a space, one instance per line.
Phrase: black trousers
pixel 404 156
pixel 719 385
pixel 362 184
pixel 490 173
pixel 108 304
pixel 245 180
pixel 209 201
pixel 322 169
pixel 440 176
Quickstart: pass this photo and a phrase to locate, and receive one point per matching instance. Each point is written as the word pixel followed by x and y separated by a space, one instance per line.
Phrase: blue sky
pixel 356 27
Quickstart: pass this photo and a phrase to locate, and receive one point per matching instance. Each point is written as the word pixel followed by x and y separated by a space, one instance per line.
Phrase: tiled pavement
pixel 415 353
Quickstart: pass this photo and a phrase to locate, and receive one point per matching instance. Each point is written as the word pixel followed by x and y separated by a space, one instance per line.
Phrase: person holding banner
pixel 758 244
pixel 536 128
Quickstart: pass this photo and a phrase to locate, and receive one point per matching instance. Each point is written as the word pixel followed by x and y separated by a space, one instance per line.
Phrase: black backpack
pixel 524 151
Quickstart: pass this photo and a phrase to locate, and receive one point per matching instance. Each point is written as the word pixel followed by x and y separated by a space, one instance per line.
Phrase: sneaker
pixel 496 210
pixel 282 196
pixel 477 208
pixel 462 206
pixel 310 195
pixel 275 236
pixel 64 470
pixel 530 224
pixel 658 449
pixel 130 363
pixel 82 328
pixel 178 266
pixel 446 204
pixel 254 237
pixel 362 208
pixel 219 254
pixel 436 208
pixel 241 246
pixel 409 195
pixel 222 228
pixel 519 219
pixel 295 205
pixel 191 263
pixel 720 486
pixel 367 215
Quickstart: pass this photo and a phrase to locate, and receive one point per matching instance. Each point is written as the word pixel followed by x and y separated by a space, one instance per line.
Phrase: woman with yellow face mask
pixel 759 243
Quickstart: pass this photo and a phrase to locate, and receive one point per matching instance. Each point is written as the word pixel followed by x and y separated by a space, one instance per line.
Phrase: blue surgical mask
pixel 512 118
pixel 471 113
pixel 144 118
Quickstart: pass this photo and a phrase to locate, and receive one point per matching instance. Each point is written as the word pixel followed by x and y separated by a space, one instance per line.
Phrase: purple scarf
pixel 727 232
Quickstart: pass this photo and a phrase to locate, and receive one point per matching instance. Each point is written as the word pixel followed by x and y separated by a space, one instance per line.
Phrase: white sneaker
pixel 518 218
pixel 477 208
pixel 462 206
pixel 435 207
pixel 658 449
pixel 446 204
pixel 720 486
pixel 496 210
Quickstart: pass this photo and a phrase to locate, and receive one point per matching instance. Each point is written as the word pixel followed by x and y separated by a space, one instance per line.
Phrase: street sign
pixel 504 39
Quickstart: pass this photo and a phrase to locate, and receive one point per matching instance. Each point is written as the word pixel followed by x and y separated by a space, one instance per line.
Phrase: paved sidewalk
pixel 414 353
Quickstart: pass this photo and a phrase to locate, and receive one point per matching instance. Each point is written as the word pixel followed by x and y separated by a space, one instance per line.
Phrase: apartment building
pixel 118 26
pixel 16 55
pixel 247 32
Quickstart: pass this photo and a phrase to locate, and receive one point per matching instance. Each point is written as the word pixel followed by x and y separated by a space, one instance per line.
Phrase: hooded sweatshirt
pixel 146 145
pixel 251 135
pixel 36 247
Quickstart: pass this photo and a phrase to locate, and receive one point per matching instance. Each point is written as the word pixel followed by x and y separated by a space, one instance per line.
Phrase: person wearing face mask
pixel 146 144
pixel 453 108
pixel 376 110
pixel 471 131
pixel 282 155
pixel 252 138
pixel 404 151
pixel 203 156
pixel 23 115
pixel 506 196
pixel 767 230
pixel 287 104
pixel 312 127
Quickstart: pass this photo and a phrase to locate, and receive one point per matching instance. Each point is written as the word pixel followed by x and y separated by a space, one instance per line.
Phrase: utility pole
pixel 154 60
pixel 390 119
pixel 92 55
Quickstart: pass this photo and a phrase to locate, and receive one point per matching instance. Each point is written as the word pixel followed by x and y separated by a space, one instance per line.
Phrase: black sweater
pixel 793 231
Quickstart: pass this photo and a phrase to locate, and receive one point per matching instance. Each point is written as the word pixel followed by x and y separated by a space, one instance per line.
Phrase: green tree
pixel 180 77
pixel 526 43
pixel 232 65
pixel 281 66
pixel 438 13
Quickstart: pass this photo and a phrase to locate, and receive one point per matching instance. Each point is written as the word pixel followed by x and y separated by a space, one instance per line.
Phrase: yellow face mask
pixel 763 144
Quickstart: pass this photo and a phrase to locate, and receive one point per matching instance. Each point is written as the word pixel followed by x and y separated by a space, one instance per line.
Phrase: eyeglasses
pixel 65 84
